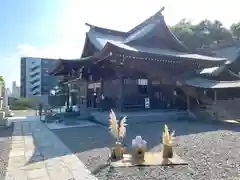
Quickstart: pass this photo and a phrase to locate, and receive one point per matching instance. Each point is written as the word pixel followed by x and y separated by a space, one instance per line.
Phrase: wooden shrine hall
pixel 146 67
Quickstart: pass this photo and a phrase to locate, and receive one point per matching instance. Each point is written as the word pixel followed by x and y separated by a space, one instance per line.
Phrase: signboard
pixel 147 103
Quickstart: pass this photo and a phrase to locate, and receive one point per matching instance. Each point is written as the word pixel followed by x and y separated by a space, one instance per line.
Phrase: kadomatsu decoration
pixel 140 156
pixel 167 140
pixel 118 131
pixel 139 148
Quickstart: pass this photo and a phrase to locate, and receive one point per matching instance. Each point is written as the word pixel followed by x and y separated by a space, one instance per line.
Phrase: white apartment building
pixel 35 78
pixel 15 90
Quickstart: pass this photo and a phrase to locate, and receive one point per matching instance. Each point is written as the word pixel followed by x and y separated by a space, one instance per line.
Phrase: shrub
pixel 21 104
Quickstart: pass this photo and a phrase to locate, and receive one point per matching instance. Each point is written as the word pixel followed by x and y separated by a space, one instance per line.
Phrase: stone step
pixel 103 117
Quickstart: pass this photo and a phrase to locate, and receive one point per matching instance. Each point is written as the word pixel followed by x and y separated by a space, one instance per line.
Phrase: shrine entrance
pixel 167 97
pixel 93 94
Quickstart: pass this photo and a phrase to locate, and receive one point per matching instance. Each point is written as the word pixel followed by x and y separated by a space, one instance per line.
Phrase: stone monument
pixel 4 108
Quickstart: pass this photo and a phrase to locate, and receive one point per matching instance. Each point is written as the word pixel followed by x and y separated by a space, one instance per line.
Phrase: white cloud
pixel 116 15
pixel 67 51
pixel 61 50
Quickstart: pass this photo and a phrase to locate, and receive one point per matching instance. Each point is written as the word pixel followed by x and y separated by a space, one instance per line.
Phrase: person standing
pixel 40 110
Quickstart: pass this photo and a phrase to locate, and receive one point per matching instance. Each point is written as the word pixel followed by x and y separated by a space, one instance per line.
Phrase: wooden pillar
pixel 188 103
pixel 86 95
pixel 215 96
pixel 102 94
pixel 102 86
pixel 70 95
pixel 78 82
pixel 84 110
pixel 121 94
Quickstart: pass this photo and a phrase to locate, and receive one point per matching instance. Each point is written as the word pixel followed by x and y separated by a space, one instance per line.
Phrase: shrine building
pixel 146 67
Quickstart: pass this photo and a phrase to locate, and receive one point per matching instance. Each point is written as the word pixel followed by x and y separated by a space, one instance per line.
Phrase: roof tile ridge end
pixel 107 29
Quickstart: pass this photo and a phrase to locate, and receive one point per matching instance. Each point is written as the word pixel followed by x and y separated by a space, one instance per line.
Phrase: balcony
pixel 35 81
pixel 35 87
pixel 34 74
pixel 35 68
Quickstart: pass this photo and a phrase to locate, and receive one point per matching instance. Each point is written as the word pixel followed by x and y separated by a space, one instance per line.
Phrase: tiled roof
pixel 65 66
pixel 156 27
pixel 100 40
pixel 154 16
pixel 108 31
pixel 212 70
pixel 230 52
pixel 206 83
pixel 139 39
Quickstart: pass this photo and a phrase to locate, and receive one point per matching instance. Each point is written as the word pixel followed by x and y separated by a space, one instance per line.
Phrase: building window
pixel 142 82
pixel 45 62
pixel 142 86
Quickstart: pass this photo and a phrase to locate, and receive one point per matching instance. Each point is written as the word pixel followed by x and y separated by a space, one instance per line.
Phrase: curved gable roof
pixel 157 27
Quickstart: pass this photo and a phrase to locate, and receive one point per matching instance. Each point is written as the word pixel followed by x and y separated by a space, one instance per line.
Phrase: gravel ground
pixel 212 150
pixel 5 142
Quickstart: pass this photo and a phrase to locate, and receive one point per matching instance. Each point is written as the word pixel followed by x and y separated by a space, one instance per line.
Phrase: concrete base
pixel 151 116
pixel 7 111
pixel 84 112
pixel 150 159
pixel 3 120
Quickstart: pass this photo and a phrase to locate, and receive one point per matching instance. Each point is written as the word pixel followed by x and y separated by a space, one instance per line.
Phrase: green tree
pixel 21 104
pixel 235 28
pixel 219 32
pixel 185 32
pixel 204 33
pixel 1 79
pixel 62 91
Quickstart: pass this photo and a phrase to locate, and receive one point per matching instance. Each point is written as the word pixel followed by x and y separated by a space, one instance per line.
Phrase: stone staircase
pixel 223 110
pixel 227 109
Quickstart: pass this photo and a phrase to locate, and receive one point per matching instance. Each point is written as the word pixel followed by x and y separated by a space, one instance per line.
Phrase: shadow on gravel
pixel 84 139
pixel 92 143
pixel 87 142
pixel 5 146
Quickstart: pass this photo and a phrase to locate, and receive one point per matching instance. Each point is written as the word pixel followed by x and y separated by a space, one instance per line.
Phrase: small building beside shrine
pixel 146 67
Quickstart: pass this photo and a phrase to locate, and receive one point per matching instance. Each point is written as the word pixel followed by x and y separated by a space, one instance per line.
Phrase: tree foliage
pixel 204 33
pixel 21 104
pixel 235 28
pixel 60 95
pixel 1 80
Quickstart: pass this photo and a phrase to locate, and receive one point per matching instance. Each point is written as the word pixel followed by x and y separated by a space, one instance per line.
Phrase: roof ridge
pixel 158 13
pixel 106 30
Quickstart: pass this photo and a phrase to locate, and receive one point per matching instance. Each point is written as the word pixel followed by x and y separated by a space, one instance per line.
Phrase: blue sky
pixel 25 22
pixel 55 28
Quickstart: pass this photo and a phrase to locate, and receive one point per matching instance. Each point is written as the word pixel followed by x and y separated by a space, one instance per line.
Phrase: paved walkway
pixel 37 154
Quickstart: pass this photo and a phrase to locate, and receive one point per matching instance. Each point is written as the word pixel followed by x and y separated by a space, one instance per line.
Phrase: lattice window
pixel 143 82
